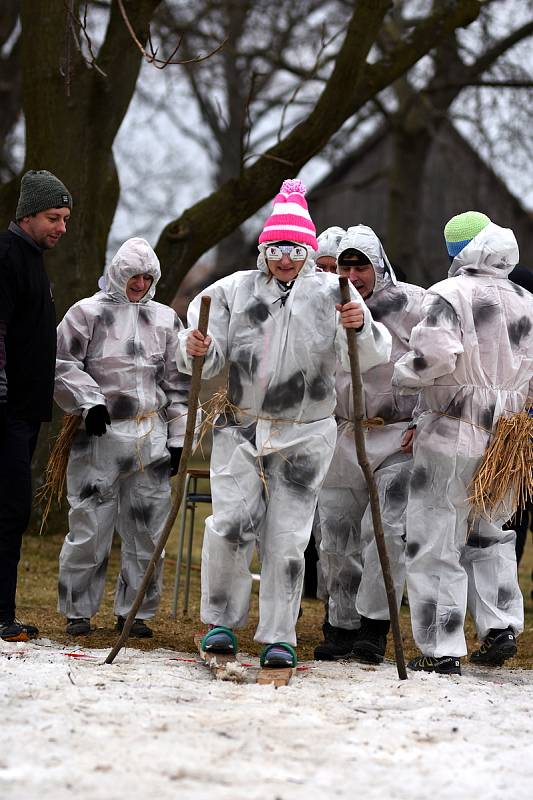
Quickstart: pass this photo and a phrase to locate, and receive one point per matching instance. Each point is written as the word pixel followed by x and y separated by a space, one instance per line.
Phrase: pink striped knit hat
pixel 290 220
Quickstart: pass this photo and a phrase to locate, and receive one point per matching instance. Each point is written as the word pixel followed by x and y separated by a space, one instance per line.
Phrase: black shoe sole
pixel 321 656
pixel 135 635
pixel 277 664
pixel 437 671
pixel 366 656
pixel 497 660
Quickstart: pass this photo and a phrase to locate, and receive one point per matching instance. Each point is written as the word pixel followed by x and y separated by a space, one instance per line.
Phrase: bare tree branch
pixel 151 57
pixel 351 85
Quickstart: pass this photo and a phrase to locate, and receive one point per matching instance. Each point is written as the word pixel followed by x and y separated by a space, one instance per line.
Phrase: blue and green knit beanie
pixel 461 229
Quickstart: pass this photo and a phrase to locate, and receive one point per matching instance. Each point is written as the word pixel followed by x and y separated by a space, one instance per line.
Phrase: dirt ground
pixel 37 601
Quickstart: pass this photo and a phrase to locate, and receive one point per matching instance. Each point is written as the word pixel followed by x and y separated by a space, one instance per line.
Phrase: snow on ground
pixel 157 725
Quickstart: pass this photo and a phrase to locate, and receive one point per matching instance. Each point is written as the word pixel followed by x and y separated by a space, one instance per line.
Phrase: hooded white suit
pixel 328 242
pixel 345 518
pixel 472 359
pixel 269 460
pixel 120 354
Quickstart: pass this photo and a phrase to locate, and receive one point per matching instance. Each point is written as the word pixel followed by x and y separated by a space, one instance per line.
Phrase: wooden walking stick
pixel 198 363
pixel 358 407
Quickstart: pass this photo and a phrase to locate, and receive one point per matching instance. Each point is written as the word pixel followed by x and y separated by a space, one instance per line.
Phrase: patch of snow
pixel 157 725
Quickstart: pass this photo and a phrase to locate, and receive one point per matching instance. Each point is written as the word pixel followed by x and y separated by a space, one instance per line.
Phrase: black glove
pixel 3 420
pixel 175 458
pixel 96 420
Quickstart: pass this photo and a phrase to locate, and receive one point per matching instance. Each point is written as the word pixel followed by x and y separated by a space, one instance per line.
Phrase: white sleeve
pixel 176 386
pixel 75 391
pixel 435 344
pixel 217 329
pixel 374 342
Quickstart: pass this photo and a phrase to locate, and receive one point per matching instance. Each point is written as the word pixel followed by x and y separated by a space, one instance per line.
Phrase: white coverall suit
pixel 472 360
pixel 343 504
pixel 121 354
pixel 328 242
pixel 269 460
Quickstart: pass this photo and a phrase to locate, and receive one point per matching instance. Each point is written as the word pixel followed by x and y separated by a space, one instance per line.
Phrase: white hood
pixel 328 242
pixel 363 238
pixel 494 251
pixel 134 257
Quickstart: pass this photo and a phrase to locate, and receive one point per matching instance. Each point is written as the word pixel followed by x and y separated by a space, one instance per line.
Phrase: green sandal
pixel 219 640
pixel 279 654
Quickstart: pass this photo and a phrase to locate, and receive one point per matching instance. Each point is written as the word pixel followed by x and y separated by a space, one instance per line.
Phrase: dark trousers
pixel 521 523
pixel 16 451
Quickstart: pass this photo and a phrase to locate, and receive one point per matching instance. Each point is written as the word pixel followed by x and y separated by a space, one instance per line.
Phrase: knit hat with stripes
pixel 290 220
pixel 461 229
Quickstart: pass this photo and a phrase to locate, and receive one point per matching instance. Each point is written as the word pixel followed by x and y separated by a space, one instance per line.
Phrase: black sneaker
pixel 445 665
pixel 139 629
pixel 371 641
pixel 13 632
pixel 497 647
pixel 338 643
pixel 78 626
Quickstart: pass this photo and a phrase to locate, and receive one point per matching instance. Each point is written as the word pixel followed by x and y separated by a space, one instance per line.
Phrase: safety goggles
pixel 296 252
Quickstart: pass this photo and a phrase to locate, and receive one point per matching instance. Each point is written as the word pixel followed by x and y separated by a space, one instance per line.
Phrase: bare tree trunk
pixel 406 177
pixel 72 117
pixel 10 81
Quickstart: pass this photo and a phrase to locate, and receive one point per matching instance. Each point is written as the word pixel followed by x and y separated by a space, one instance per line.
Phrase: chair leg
pixel 180 548
pixel 189 560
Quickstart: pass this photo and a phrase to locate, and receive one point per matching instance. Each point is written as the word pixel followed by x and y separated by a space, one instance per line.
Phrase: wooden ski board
pixel 279 676
pixel 265 675
pixel 215 661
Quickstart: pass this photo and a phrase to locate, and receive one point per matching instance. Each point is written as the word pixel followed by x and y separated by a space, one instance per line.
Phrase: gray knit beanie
pixel 39 190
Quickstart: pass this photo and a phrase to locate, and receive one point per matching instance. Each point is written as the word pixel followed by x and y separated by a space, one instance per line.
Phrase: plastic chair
pixel 191 496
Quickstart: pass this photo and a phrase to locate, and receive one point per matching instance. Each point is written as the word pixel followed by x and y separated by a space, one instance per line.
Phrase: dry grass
pixel 504 478
pixel 38 599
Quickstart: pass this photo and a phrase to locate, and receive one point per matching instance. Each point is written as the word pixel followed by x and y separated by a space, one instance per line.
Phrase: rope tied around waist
pixel 138 419
pixel 220 412
pixel 375 422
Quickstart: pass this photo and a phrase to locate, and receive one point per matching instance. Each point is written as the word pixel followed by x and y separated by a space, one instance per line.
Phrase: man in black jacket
pixel 27 367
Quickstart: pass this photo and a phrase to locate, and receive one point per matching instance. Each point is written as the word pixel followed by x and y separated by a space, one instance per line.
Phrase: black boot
pixel 337 643
pixel 139 628
pixel 497 647
pixel 371 641
pixel 78 626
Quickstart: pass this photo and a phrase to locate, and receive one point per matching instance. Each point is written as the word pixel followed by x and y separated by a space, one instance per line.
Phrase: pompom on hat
pixel 290 220
pixel 461 229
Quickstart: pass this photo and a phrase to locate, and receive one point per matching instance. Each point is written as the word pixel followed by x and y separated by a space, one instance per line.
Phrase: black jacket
pixel 27 308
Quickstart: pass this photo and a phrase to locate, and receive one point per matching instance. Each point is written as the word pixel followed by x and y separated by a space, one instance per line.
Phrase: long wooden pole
pixel 358 406
pixel 198 363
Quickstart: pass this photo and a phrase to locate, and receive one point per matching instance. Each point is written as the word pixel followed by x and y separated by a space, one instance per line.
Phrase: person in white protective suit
pixel 358 615
pixel 325 256
pixel 280 330
pixel 116 368
pixel 471 357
